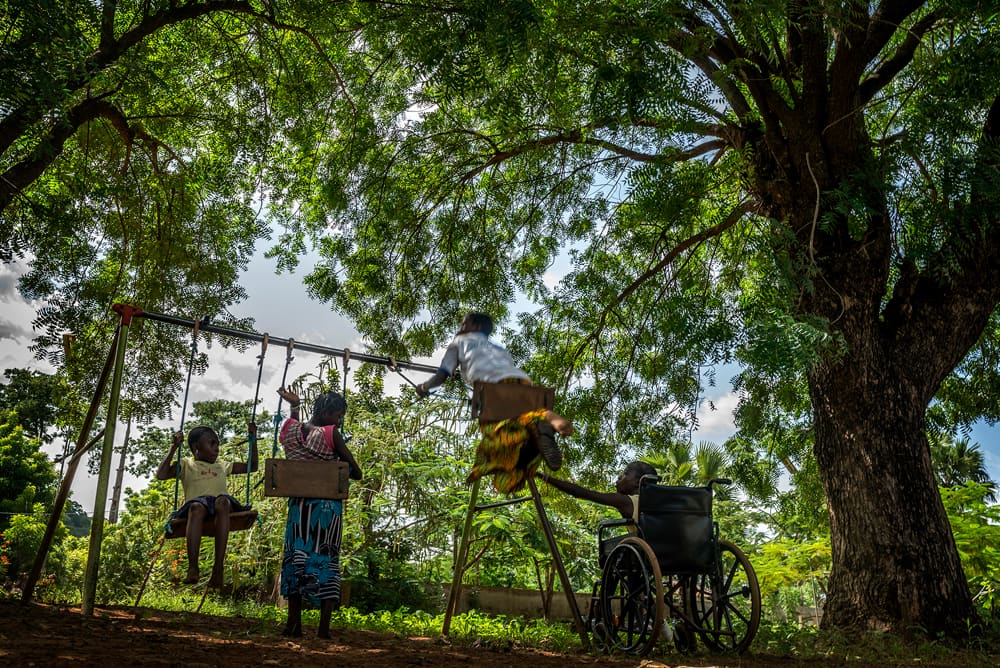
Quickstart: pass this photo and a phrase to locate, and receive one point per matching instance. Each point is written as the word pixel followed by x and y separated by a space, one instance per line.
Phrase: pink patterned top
pixel 316 444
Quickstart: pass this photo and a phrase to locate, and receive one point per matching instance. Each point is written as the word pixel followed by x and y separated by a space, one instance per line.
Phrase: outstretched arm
pixel 340 445
pixel 166 469
pixel 424 388
pixel 621 502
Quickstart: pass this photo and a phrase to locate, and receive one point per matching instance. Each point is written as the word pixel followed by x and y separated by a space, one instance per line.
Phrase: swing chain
pixel 394 367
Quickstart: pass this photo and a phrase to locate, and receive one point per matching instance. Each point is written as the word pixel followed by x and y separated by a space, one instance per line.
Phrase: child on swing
pixel 510 450
pixel 310 567
pixel 206 495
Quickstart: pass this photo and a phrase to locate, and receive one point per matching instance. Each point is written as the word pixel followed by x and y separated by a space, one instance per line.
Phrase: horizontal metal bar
pixel 207 326
pixel 508 502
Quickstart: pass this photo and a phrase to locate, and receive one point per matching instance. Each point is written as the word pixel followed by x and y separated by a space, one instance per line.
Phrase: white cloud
pixel 716 425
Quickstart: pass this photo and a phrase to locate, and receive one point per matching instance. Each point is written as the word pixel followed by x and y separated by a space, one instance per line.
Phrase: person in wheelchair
pixel 510 450
pixel 625 498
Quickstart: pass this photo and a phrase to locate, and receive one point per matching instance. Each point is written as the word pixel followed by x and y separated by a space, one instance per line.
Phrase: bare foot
pixel 292 631
pixel 192 577
pixel 323 635
pixel 215 582
pixel 560 424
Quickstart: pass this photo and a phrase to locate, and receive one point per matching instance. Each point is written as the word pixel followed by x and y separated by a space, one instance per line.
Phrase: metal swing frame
pixel 116 361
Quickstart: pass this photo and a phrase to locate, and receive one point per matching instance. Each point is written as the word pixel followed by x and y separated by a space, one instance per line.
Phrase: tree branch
pixel 885 73
pixel 22 174
pixel 581 136
pixel 927 302
pixel 886 20
pixel 734 217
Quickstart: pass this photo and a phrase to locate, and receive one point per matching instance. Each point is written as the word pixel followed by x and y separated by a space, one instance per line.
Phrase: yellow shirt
pixel 635 514
pixel 203 479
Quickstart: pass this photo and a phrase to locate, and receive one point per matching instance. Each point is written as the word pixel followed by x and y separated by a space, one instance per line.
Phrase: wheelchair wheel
pixel 631 598
pixel 725 605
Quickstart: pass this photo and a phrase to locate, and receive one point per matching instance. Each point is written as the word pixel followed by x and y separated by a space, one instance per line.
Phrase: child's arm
pixel 424 388
pixel 621 502
pixel 344 453
pixel 241 467
pixel 447 367
pixel 167 469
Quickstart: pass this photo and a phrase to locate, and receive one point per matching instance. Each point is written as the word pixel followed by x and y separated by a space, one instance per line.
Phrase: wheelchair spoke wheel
pixel 631 598
pixel 725 605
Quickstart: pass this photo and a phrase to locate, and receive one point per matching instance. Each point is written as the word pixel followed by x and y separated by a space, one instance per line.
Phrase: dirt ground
pixel 42 635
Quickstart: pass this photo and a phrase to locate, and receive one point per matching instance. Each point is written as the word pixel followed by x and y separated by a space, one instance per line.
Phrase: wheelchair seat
pixel 677 524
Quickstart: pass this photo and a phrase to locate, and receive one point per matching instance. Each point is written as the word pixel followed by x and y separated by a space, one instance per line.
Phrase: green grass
pixel 786 640
pixel 811 643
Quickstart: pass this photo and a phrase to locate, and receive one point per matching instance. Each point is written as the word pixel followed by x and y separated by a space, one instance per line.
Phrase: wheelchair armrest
pixel 611 524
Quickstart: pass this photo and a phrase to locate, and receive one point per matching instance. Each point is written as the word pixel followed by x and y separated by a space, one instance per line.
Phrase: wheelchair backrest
pixel 677 524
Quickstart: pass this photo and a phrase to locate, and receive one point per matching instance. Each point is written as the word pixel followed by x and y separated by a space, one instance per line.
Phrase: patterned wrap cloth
pixel 508 449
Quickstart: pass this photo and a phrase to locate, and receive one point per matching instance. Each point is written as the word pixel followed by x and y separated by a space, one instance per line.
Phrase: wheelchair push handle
pixel 653 479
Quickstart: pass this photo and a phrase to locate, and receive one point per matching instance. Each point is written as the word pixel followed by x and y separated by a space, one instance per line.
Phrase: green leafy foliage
pixel 28 476
pixel 976 526
pixel 810 190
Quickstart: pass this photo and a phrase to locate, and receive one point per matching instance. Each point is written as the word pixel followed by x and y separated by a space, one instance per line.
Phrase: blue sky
pixel 281 307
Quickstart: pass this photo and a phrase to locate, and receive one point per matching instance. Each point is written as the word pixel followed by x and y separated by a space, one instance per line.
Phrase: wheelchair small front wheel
pixel 725 604
pixel 631 597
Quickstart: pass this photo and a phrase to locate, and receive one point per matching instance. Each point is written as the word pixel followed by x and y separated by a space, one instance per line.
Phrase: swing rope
pixel 347 369
pixel 393 366
pixel 252 437
pixel 278 417
pixel 187 389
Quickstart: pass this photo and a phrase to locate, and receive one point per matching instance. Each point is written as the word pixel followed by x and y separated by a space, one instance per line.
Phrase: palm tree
pixel 957 462
pixel 685 464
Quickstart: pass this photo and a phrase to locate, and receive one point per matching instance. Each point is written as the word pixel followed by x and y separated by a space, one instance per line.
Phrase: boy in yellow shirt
pixel 206 495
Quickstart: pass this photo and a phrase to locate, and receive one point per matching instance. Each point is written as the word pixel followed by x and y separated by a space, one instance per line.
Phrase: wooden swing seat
pixel 308 479
pixel 239 521
pixel 503 401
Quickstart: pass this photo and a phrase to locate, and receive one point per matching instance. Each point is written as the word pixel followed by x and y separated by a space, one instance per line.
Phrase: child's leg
pixel 195 520
pixel 326 608
pixel 222 508
pixel 559 423
pixel 294 626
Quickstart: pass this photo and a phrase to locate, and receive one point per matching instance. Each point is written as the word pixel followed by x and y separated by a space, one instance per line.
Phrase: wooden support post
pixel 463 554
pixel 101 498
pixel 574 609
pixel 64 487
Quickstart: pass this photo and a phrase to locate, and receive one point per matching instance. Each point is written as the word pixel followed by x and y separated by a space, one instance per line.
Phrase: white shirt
pixel 479 359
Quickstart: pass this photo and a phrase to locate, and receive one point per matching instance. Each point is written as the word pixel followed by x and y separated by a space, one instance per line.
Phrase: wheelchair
pixel 672 578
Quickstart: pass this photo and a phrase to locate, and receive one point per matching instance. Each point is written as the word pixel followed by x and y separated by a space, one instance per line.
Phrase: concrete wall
pixel 517 602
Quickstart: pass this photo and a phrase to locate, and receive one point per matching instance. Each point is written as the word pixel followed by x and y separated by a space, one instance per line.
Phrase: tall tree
pixel 34 397
pixel 29 477
pixel 812 184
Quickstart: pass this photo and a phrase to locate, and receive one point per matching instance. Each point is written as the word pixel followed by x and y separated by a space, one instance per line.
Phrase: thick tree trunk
pixel 895 564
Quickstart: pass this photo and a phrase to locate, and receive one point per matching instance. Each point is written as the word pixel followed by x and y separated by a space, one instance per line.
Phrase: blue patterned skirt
pixel 311 563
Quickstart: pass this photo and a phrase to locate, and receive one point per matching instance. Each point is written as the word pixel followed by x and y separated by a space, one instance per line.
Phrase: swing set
pixel 283 477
